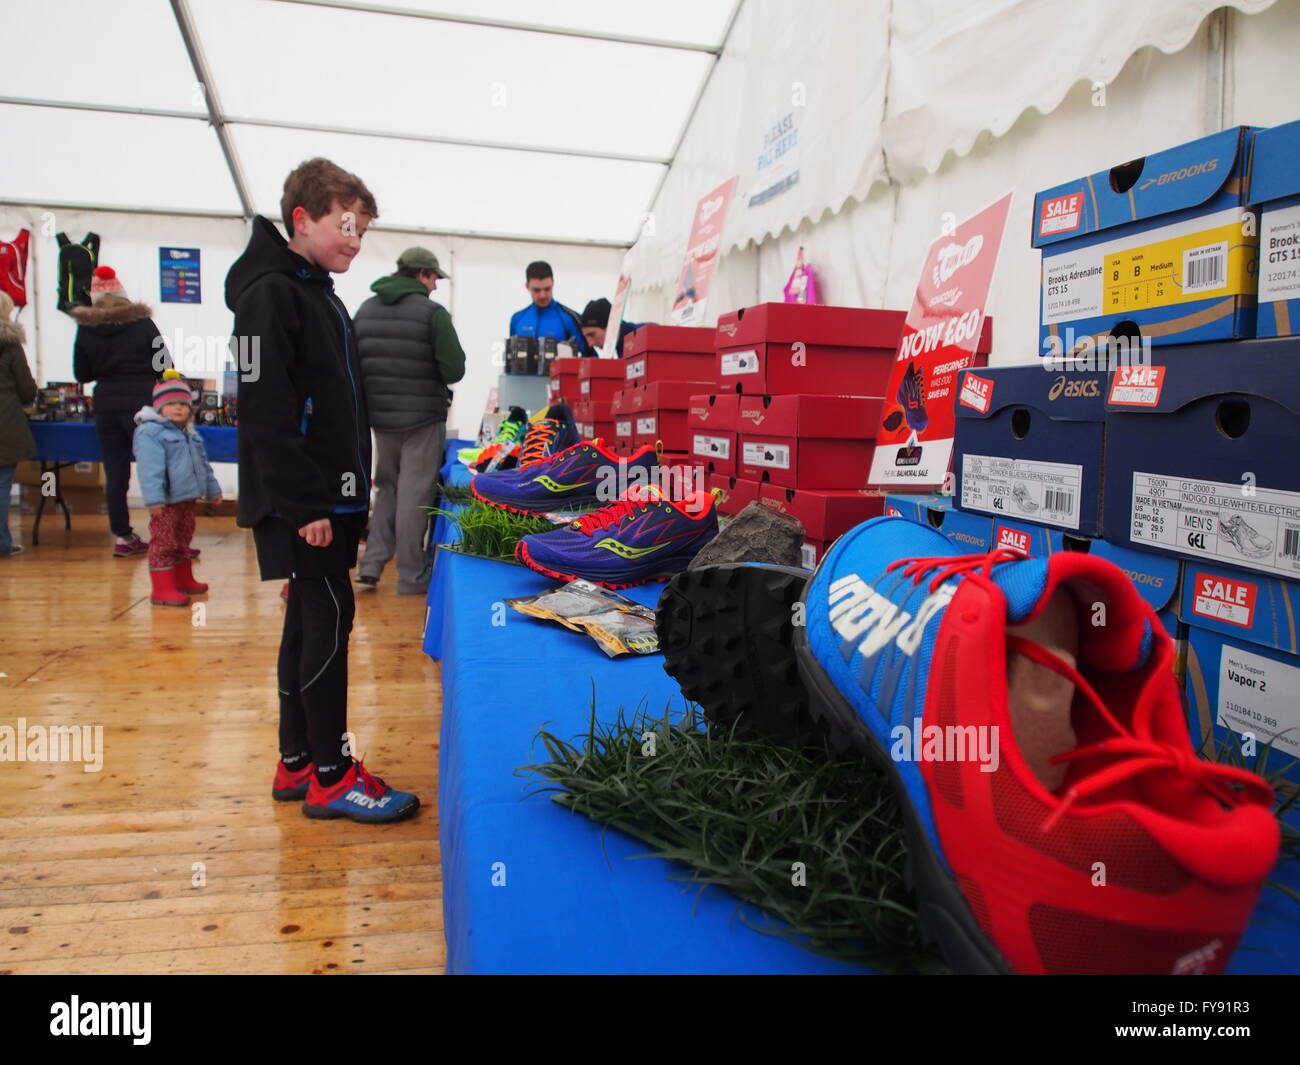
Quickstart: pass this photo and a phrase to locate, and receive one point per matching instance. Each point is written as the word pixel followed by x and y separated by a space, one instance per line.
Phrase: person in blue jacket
pixel 595 325
pixel 174 473
pixel 546 316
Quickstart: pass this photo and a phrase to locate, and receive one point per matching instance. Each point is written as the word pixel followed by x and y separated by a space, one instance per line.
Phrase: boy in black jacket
pixel 304 475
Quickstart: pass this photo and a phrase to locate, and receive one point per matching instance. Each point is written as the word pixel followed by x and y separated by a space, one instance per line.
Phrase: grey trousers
pixel 406 471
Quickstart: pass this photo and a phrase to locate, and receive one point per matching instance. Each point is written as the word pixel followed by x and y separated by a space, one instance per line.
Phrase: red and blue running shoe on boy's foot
pixel 582 477
pixel 1141 859
pixel 290 785
pixel 359 796
pixel 645 536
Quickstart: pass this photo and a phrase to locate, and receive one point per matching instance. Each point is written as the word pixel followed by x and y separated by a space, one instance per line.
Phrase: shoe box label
pixel 1233 524
pixel 808 555
pixel 623 428
pixel 584 386
pixel 646 425
pixel 1196 259
pixel 1048 493
pixel 1224 599
pixel 1260 696
pixel 1137 386
pixel 714 447
pixel 1279 255
pixel 760 453
pixel 735 363
pixel 635 369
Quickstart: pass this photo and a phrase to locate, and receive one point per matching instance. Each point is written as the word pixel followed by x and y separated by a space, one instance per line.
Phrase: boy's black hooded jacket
pixel 304 440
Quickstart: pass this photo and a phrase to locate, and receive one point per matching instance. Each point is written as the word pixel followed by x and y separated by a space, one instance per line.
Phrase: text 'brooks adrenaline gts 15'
pixel 645 536
pixel 581 477
pixel 1142 859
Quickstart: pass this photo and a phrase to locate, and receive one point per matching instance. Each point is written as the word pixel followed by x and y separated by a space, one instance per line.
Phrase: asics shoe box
pixel 711 425
pixel 1201 455
pixel 914 507
pixel 735 492
pixel 826 516
pixel 599 379
pixel 1243 660
pixel 785 348
pixel 564 379
pixel 1029 445
pixel 813 442
pixel 1155 248
pixel 1275 191
pixel 660 412
pixel 668 353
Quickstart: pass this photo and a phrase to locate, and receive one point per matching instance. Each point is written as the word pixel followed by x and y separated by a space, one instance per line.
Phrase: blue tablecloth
pixel 77 442
pixel 566 904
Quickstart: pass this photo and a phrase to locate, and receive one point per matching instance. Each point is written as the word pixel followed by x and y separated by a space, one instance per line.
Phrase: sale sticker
pixel 977 392
pixel 943 327
pixel 1013 540
pixel 1061 215
pixel 1137 386
pixel 1224 599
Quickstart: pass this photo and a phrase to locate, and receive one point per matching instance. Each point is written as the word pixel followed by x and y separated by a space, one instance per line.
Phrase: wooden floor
pixel 174 858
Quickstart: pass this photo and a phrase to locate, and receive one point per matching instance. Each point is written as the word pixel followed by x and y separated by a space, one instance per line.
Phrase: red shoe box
pixel 660 412
pixel 816 442
pixel 599 379
pixel 793 348
pixel 594 430
pixel 564 380
pixel 624 431
pixel 589 410
pixel 826 516
pixel 736 495
pixel 711 425
pixel 668 353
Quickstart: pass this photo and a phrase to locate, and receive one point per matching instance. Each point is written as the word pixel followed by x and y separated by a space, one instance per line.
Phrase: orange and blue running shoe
pixel 1143 858
pixel 645 536
pixel 582 477
pixel 359 796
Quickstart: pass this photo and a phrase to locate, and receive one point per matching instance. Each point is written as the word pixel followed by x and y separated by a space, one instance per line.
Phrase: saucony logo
pixel 730 329
pixel 552 485
pixel 623 551
pixel 755 416
pixel 700 412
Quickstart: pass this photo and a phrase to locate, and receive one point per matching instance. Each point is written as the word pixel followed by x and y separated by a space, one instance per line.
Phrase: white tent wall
pixel 1237 68
pixel 487 287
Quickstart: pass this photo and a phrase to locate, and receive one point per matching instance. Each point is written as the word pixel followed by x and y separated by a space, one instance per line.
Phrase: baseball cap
pixel 421 259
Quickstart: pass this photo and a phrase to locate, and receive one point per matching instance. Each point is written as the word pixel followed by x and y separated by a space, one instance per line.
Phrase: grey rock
pixel 756 534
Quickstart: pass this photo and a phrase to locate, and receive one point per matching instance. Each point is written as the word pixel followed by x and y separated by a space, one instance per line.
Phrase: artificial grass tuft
pixel 491 532
pixel 817 846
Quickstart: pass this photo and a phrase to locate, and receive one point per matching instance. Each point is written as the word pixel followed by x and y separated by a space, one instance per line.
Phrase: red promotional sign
pixel 914 443
pixel 692 293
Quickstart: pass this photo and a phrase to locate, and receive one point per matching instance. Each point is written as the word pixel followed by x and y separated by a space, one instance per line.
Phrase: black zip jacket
pixel 304 440
pixel 119 347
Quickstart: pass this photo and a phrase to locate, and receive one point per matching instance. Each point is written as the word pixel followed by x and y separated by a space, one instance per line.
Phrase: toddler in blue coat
pixel 174 473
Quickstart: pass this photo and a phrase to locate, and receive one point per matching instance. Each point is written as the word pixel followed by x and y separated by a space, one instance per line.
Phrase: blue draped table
pixel 562 902
pixel 60 444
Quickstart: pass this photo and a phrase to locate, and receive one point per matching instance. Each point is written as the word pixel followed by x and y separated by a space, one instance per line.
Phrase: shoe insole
pixel 1040 699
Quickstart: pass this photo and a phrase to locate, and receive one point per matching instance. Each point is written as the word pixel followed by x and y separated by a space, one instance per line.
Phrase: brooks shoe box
pixel 564 379
pixel 668 353
pixel 1243 660
pixel 802 441
pixel 1275 190
pixel 1153 248
pixel 711 424
pixel 599 379
pixel 826 516
pixel 735 493
pixel 1029 445
pixel 660 412
pixel 1201 455
pixel 783 348
pixel 971 534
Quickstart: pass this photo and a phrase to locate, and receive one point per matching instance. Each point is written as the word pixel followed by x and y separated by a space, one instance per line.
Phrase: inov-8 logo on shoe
pixel 362 799
pixel 859 612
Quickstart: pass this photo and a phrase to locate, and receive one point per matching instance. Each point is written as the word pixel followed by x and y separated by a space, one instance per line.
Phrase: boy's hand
pixel 318 533
pixel 215 500
pixel 156 510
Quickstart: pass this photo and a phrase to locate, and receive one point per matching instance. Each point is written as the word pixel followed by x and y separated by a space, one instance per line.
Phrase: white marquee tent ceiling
pixel 463 116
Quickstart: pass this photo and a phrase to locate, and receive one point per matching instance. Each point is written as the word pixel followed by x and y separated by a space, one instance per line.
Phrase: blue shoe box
pixel 1201 455
pixel 1275 191
pixel 1243 668
pixel 971 534
pixel 1029 445
pixel 1155 249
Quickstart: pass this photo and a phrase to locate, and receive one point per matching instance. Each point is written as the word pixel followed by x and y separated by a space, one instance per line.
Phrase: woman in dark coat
pixel 118 346
pixel 17 389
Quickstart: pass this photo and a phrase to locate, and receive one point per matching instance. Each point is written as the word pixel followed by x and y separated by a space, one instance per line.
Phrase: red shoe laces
pixel 610 515
pixel 537 440
pixel 1228 784
pixel 373 785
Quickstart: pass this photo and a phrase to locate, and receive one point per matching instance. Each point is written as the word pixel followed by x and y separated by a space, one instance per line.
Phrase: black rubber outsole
pixel 946 919
pixel 726 633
